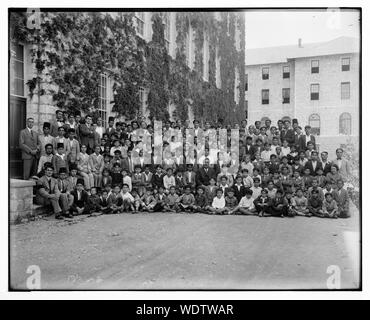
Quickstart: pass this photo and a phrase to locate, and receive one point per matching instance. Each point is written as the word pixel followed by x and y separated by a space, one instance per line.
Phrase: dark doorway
pixel 17 122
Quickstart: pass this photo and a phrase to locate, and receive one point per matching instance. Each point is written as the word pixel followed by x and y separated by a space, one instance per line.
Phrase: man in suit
pixel 110 130
pixel 249 148
pixel 326 164
pixel 59 122
pixel 80 203
pixel 342 198
pixel 314 164
pixel 343 164
pixel 287 133
pixel 29 144
pixel 48 192
pixel 304 138
pixel 189 177
pixel 45 138
pixel 87 134
pixel 72 147
pixel 65 188
pixel 205 173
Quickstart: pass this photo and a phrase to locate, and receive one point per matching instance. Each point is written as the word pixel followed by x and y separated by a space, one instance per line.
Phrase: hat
pixel 71 130
pixel 63 170
pixel 80 181
pixel 46 125
pixel 111 119
pixel 77 113
pixel 60 145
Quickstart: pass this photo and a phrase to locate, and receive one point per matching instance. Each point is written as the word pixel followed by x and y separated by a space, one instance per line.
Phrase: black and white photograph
pixel 184 148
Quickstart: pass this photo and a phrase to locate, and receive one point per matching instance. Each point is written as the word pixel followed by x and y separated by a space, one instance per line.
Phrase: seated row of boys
pixel 118 193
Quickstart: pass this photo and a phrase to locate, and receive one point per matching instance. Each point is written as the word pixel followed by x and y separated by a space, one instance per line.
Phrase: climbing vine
pixel 71 50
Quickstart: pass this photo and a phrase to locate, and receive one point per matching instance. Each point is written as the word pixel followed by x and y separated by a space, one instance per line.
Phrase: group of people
pixel 83 168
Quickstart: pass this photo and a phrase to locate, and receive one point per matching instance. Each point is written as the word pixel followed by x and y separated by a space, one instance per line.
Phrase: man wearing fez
pixel 48 192
pixel 110 130
pixel 59 122
pixel 29 144
pixel 45 138
pixel 65 187
pixel 87 134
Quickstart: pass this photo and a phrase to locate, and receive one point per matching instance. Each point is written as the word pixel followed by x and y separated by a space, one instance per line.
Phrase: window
pixel 345 90
pixel 265 96
pixel 140 23
pixel 246 83
pixel 265 73
pixel 345 64
pixel 286 95
pixel 17 70
pixel 345 123
pixel 286 72
pixel 205 57
pixel 315 89
pixel 315 66
pixel 103 98
pixel 314 122
pixel 167 29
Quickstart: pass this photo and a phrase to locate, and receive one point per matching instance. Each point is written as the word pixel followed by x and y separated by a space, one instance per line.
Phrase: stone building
pixel 42 108
pixel 316 83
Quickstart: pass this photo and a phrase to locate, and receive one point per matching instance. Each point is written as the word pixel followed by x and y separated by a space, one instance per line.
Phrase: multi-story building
pixel 315 83
pixel 211 55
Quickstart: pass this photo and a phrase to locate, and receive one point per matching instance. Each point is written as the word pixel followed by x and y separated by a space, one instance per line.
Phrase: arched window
pixel 263 120
pixel 314 122
pixel 345 123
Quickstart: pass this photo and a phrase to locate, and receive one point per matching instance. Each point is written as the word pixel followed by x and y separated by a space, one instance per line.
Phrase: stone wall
pixel 21 195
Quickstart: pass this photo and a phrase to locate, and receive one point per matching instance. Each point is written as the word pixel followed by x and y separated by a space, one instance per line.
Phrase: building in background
pixel 316 83
pixel 212 44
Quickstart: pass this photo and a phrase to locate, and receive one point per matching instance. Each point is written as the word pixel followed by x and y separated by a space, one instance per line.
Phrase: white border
pixel 192 294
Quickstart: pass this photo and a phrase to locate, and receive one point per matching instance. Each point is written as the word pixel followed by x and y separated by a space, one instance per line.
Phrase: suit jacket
pixel 44 189
pixel 203 177
pixel 302 142
pixel 58 163
pixel 54 128
pixel 87 135
pixel 342 198
pixel 72 151
pixel 157 181
pixel 109 131
pixel 251 150
pixel 66 187
pixel 326 167
pixel 191 181
pixel 345 168
pixel 28 142
pixel 239 193
pixel 287 135
pixel 83 202
pixel 309 165
pixel 73 181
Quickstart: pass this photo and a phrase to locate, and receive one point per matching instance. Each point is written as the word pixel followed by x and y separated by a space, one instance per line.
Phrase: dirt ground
pixel 185 251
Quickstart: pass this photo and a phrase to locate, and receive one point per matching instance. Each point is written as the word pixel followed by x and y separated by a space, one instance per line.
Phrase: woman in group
pixel 333 176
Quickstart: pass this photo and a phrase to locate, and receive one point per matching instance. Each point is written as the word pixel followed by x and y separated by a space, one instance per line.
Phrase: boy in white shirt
pixel 218 203
pixel 246 205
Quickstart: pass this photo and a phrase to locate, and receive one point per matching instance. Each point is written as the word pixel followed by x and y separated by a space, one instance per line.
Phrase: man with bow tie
pixel 29 144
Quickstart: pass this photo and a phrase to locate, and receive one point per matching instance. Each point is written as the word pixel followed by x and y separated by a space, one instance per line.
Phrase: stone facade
pixel 328 109
pixel 21 195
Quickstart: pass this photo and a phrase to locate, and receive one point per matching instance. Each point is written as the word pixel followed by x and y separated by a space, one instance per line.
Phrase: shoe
pixel 59 216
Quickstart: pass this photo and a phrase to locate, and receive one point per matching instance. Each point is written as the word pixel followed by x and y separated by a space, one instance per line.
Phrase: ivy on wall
pixel 71 51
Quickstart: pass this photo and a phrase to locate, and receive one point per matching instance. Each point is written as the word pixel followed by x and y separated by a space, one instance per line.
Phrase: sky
pixel 284 27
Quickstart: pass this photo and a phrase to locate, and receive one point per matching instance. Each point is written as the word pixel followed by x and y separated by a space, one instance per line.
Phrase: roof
pixel 283 53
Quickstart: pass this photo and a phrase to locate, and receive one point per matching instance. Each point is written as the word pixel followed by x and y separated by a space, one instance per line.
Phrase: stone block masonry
pixel 21 195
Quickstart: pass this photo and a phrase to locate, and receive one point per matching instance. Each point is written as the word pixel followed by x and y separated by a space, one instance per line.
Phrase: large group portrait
pixel 164 149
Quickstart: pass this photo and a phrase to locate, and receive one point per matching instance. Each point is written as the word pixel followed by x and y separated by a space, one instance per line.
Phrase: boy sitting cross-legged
pixel 231 202
pixel 246 205
pixel 80 199
pixel 262 203
pixel 201 201
pixel 127 199
pixel 186 200
pixel 115 201
pixel 330 207
pixel 171 200
pixel 218 203
pixel 148 201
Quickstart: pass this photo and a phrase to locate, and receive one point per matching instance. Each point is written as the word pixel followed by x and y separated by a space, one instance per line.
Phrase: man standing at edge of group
pixel 87 134
pixel 29 144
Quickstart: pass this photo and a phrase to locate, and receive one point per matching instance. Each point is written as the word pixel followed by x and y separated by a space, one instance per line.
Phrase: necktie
pixel 49 181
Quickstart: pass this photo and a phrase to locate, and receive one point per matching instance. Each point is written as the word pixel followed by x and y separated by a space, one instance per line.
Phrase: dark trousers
pixel 29 168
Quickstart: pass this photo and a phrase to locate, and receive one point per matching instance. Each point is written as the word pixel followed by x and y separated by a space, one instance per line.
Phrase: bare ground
pixel 185 251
